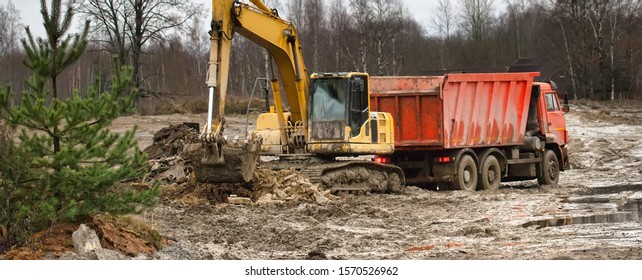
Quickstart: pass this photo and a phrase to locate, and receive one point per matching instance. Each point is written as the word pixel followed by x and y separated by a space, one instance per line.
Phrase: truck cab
pixel 552 123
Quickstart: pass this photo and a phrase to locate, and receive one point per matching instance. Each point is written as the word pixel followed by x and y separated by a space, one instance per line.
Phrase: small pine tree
pixel 73 158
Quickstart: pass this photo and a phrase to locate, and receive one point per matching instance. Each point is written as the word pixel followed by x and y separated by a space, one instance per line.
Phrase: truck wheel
pixel 466 176
pixel 550 169
pixel 491 174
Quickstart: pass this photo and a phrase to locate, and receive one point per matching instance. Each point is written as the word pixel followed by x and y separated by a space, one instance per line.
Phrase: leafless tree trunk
pixel 10 29
pixel 476 18
pixel 315 23
pixel 515 9
pixel 110 20
pixel 361 14
pixel 596 17
pixel 340 23
pixel 444 19
pixel 570 61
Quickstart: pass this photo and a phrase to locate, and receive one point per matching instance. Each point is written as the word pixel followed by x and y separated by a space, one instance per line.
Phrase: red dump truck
pixel 474 130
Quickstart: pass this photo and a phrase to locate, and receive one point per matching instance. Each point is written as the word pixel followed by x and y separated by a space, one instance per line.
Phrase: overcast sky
pixel 420 9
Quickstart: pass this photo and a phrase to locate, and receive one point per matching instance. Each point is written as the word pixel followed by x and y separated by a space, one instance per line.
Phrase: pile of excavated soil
pixel 171 140
pixel 189 194
pixel 286 185
pixel 172 163
pixel 127 234
pixel 54 242
pixel 267 187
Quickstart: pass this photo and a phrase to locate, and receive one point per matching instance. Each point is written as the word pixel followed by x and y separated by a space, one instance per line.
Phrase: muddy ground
pixel 593 214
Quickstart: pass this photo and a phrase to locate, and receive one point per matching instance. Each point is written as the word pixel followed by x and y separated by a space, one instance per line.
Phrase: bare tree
pixel 386 23
pixel 315 22
pixel 197 49
pixel 619 12
pixel 341 23
pixel 10 33
pixel 295 13
pixel 361 13
pixel 633 47
pixel 444 19
pixel 476 18
pixel 128 26
pixel 10 29
pixel 515 9
pixel 110 20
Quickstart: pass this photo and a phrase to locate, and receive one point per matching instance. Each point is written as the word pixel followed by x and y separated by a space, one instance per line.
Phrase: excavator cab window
pixel 358 104
pixel 329 98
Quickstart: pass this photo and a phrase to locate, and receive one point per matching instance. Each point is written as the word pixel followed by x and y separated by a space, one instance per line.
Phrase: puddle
pixel 629 212
pixel 612 189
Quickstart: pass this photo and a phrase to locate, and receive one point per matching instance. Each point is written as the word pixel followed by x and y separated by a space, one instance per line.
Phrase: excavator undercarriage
pixel 344 176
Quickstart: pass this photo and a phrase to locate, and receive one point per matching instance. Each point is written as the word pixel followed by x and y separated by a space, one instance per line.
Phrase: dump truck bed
pixel 455 110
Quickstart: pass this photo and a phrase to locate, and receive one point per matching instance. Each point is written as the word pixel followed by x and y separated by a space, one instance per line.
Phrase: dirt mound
pixel 24 253
pixel 173 159
pixel 286 185
pixel 55 241
pixel 188 194
pixel 127 234
pixel 268 186
pixel 169 170
pixel 171 140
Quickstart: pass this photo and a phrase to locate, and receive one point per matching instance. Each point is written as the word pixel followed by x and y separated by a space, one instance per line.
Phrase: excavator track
pixel 349 176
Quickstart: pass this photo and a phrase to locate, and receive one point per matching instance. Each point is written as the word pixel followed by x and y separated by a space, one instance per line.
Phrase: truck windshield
pixel 328 99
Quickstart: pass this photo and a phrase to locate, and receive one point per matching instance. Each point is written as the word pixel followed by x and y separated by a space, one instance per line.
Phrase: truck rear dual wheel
pixel 550 174
pixel 466 175
pixel 491 174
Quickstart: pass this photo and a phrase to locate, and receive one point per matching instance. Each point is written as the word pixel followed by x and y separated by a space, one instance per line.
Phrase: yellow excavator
pixel 328 122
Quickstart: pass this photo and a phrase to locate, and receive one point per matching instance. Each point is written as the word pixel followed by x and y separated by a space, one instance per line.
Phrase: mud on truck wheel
pixel 550 174
pixel 466 175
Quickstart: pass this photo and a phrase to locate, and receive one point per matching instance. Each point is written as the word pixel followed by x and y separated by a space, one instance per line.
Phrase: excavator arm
pixel 235 162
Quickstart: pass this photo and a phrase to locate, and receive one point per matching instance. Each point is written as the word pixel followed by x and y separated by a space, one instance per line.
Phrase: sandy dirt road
pixel 593 214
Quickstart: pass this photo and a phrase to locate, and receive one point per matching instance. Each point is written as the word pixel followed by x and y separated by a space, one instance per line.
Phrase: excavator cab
pixel 337 101
pixel 340 120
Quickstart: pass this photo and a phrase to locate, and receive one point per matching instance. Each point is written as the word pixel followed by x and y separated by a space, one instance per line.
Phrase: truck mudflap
pixel 567 162
pixel 356 176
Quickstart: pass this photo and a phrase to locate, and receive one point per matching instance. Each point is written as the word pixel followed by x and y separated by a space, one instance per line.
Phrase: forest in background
pixel 591 49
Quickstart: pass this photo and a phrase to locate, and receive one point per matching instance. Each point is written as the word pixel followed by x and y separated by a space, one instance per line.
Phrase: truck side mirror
pixel 565 107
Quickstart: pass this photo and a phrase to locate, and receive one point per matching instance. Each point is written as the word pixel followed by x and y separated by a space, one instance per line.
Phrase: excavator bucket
pixel 228 162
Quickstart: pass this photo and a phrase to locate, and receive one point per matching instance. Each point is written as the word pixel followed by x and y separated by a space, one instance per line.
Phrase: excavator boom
pixel 228 162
